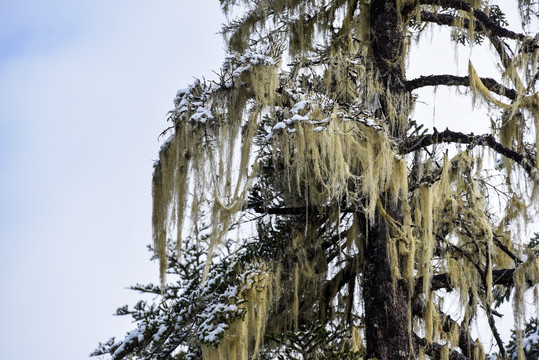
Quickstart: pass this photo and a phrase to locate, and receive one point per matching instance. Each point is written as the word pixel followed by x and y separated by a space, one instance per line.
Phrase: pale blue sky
pixel 84 92
pixel 85 87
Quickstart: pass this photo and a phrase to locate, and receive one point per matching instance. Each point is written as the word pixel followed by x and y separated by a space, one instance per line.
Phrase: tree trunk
pixel 387 312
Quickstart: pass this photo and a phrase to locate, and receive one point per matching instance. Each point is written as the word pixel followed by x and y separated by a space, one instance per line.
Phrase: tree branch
pixel 449 20
pixel 441 281
pixel 434 350
pixel 343 277
pixel 483 18
pixel 500 48
pixel 495 332
pixel 506 250
pixel 452 80
pixel 448 136
pixel 280 210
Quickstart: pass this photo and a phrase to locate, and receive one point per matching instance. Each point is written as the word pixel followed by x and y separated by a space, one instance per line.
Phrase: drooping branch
pixel 482 17
pixel 452 80
pixel 448 136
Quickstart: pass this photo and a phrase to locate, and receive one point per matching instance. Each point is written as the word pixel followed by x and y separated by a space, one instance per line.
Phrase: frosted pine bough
pixel 353 205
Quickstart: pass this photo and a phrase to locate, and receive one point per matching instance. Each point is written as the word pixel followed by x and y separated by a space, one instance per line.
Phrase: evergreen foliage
pixel 529 342
pixel 336 224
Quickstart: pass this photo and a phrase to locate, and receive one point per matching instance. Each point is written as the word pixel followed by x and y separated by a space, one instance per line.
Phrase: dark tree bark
pixel 387 314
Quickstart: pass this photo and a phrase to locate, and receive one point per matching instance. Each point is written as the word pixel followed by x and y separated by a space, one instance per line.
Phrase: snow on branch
pixel 192 102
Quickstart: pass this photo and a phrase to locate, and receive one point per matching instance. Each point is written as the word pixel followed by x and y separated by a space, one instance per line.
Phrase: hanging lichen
pixel 243 338
pixel 313 151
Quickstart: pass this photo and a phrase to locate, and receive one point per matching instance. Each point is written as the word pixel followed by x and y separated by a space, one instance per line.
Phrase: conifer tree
pixel 301 212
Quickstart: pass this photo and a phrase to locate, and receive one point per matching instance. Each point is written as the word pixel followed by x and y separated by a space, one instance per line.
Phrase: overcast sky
pixel 84 92
pixel 85 87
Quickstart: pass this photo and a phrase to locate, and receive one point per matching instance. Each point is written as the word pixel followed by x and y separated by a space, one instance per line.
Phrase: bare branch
pixel 448 136
pixel 495 332
pixel 441 281
pixel 449 20
pixel 452 80
pixel 483 18
pixel 500 48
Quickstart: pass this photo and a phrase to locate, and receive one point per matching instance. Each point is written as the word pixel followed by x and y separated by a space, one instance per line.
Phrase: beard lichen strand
pixel 357 340
pixel 427 236
pixel 523 63
pixel 531 103
pixel 230 140
pixel 478 88
pixel 159 216
pixel 340 77
pixel 194 150
pixel 527 273
pixel 458 279
pixel 511 135
pixel 169 191
pixel 182 169
pixel 347 161
pixel 500 257
pixel 522 66
pixel 478 351
pixel 431 319
pixel 454 336
pixel 475 236
pixel 242 340
pixel 513 128
pixel 430 213
pixel 263 79
pixel 295 306
pixel 481 231
pixel 436 207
